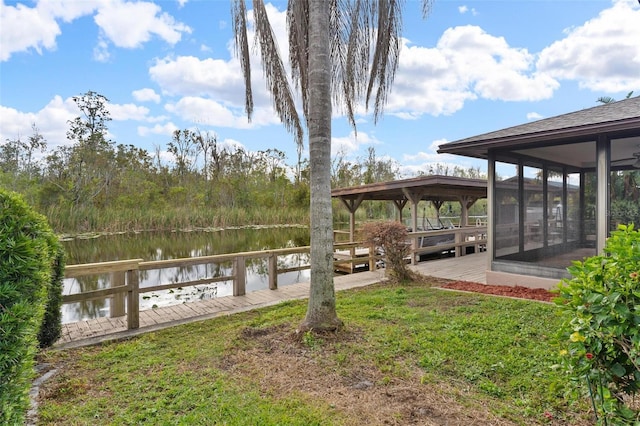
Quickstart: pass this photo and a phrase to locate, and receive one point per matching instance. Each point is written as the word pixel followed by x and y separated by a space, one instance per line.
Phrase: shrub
pixel 52 322
pixel 601 335
pixel 391 237
pixel 30 281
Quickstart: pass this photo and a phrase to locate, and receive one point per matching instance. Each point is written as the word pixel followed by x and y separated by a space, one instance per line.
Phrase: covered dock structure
pixel 436 189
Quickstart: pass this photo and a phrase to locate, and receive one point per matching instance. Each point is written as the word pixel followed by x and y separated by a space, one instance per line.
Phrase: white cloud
pixel 465 9
pixel 101 51
pixel 158 129
pixel 24 28
pixel 121 112
pixel 212 113
pixel 603 55
pixel 129 25
pixel 466 64
pixel 52 121
pixel 534 116
pixel 231 144
pixel 350 144
pixel 146 95
pixel 436 144
pixel 191 76
pixel 125 24
pixel 68 10
pixel 431 162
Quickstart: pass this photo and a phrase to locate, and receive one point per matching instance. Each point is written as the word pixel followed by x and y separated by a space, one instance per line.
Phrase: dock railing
pixel 454 239
pixel 124 290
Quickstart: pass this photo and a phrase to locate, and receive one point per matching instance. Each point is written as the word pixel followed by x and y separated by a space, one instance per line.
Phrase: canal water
pixel 176 245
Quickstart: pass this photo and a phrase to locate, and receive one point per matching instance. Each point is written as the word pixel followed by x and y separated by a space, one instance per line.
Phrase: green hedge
pixel 31 271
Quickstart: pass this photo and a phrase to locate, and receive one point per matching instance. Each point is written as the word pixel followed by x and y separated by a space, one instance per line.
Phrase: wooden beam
pixel 466 201
pixel 400 206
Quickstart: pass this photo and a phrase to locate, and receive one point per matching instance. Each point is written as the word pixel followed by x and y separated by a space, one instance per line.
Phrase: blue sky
pixel 471 67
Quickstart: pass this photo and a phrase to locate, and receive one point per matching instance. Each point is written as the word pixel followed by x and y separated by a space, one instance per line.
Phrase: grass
pixel 405 349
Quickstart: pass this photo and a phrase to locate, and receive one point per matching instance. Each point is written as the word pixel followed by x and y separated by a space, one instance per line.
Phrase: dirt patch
pixel 500 290
pixel 356 389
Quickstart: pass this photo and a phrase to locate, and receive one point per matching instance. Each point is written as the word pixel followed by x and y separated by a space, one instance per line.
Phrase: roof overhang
pixel 436 187
pixel 544 139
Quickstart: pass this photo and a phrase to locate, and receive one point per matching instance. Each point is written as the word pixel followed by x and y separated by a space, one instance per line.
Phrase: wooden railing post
pixel 372 257
pixel 240 276
pixel 414 248
pixel 352 256
pixel 458 238
pixel 273 272
pixel 133 301
pixel 117 302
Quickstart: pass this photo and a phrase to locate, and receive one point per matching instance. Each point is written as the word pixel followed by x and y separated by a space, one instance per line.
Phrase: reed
pixel 72 220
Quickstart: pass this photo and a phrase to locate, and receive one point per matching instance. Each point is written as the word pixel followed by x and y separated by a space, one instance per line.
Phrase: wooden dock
pixel 472 267
pixel 89 332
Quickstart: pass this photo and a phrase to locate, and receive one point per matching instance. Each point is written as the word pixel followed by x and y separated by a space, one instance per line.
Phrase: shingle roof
pixel 615 118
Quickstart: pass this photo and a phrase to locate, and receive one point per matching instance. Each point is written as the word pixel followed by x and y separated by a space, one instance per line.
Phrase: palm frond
pixel 298 26
pixel 605 100
pixel 239 16
pixel 386 54
pixel 426 8
pixel 275 74
pixel 365 51
pixel 272 66
pixel 365 47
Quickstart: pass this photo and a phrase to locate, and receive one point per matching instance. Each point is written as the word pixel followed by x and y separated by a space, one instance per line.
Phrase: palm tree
pixel 610 100
pixel 341 52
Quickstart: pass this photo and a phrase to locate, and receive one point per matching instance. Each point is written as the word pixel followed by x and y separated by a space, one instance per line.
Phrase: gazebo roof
pixel 549 139
pixel 436 187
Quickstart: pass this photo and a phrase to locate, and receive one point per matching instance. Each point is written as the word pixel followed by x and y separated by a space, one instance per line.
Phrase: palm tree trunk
pixel 321 312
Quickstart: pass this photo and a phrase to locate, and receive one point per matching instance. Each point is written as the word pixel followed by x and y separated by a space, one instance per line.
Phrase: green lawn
pixel 408 353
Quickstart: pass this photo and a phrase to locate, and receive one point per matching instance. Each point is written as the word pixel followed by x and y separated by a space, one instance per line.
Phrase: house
pixel 548 189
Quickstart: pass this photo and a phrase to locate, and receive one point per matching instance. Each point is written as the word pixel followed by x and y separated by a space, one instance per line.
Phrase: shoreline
pixel 92 235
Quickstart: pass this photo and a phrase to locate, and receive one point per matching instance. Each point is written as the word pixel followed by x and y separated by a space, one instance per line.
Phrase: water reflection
pixel 175 245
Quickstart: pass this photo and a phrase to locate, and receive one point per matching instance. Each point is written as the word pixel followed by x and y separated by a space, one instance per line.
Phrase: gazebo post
pixel 352 205
pixel 414 197
pixel 466 201
pixel 400 206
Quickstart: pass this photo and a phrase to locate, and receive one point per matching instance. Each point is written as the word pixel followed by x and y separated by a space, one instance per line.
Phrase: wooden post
pixel 458 238
pixel 352 257
pixel 240 276
pixel 414 196
pixel 372 257
pixel 117 302
pixel 352 205
pixel 133 301
pixel 273 272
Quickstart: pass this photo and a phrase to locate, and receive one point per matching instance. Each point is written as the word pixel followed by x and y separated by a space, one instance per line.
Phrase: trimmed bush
pixel 31 265
pixel 52 322
pixel 600 338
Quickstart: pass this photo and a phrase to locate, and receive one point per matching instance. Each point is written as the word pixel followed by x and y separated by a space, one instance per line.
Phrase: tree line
pixel 95 184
